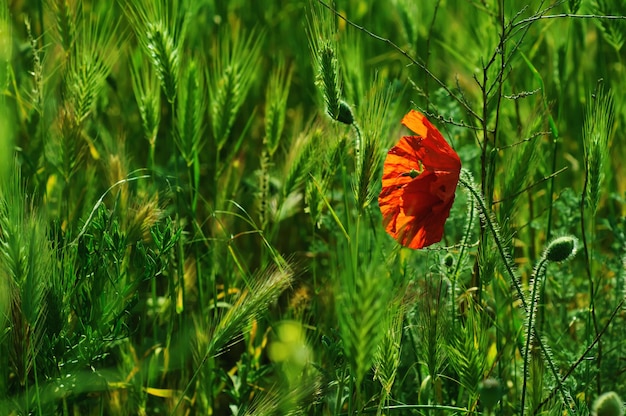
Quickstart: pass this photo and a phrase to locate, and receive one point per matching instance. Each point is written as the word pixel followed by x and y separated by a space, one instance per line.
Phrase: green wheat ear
pixel 387 357
pixel 191 107
pixel 275 110
pixel 369 144
pixel 597 128
pixel 220 330
pixel 466 350
pixel 276 106
pixel 322 32
pixel 65 19
pixel 36 94
pixel 26 268
pixel 93 54
pixel 160 27
pixel 407 10
pixel 611 31
pixel 302 156
pixel 146 89
pixel 230 76
pixel 362 304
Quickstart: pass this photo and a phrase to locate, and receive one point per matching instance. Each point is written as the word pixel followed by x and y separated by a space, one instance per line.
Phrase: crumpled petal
pixel 433 150
pixel 420 176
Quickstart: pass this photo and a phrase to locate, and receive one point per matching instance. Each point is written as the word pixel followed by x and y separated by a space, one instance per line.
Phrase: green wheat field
pixel 189 216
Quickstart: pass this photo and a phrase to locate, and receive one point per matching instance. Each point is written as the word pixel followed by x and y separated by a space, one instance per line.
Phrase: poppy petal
pixel 434 150
pixel 420 176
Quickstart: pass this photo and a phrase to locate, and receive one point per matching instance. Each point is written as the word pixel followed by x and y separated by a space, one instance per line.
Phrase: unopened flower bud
pixel 345 113
pixel 561 248
pixel 448 260
pixel 608 404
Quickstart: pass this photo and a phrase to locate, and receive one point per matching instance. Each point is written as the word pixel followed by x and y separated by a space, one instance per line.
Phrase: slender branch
pixel 433 116
pixel 522 94
pixel 524 140
pixel 566 16
pixel 529 187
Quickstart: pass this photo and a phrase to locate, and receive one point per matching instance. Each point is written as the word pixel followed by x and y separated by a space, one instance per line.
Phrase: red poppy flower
pixel 420 176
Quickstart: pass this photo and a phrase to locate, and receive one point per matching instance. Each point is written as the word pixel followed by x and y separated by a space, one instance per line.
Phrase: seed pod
pixel 561 248
pixel 345 113
pixel 608 404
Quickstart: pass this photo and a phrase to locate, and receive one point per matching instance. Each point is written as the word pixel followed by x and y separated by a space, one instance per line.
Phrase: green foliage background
pixel 189 221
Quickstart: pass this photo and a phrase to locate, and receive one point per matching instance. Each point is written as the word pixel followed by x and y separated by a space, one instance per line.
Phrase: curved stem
pixel 533 306
pixel 468 184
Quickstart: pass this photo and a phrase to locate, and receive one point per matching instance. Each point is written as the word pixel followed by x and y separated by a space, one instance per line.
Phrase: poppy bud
pixel 448 261
pixel 561 248
pixel 608 404
pixel 345 113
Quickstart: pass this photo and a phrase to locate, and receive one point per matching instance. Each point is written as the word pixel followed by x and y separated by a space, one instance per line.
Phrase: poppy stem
pixel 466 180
pixel 534 300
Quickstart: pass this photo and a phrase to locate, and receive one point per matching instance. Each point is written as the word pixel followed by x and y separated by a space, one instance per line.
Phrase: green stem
pixel 37 387
pixel 588 269
pixel 468 184
pixel 457 267
pixel 530 327
pixel 151 154
pixel 195 181
pixel 338 403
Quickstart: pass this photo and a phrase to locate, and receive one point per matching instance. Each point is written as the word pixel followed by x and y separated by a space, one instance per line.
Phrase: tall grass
pixel 188 216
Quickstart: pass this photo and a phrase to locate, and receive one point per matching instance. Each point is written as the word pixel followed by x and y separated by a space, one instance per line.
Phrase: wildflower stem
pixel 471 212
pixel 531 325
pixel 468 184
